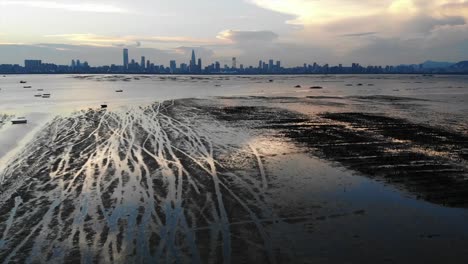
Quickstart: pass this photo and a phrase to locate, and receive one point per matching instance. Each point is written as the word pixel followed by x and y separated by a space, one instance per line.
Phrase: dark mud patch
pixel 4 119
pixel 427 161
pixel 387 98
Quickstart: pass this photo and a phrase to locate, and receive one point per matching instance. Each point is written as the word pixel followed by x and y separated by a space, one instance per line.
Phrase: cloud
pixel 310 12
pixel 201 52
pixel 362 34
pixel 455 9
pixel 318 12
pixel 237 36
pixel 128 41
pixel 95 55
pixel 77 7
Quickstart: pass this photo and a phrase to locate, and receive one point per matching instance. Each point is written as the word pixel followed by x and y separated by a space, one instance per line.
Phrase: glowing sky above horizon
pixel 294 31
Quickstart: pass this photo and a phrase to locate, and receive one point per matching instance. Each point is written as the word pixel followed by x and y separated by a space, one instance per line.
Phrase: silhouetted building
pixel 184 67
pixel 142 62
pixel 234 63
pixel 33 65
pixel 173 66
pixel 125 58
pixel 270 65
pixel 193 63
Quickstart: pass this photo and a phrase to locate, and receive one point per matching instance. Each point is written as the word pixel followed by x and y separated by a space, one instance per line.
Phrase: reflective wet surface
pixel 248 172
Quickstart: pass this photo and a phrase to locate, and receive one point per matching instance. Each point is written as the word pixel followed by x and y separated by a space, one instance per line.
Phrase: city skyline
pixel 195 66
pixel 337 31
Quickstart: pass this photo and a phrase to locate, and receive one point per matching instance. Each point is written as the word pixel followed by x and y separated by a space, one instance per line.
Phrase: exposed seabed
pixel 207 181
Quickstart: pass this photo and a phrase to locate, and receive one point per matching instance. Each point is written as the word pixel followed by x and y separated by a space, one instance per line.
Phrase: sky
pixel 370 32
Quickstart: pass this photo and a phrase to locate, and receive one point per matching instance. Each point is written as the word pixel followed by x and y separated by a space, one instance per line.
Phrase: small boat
pixel 297 86
pixel 19 120
pixel 103 106
pixel 359 84
pixel 27 87
pixel 40 90
pixel 38 95
pixel 23 81
pixel 46 96
pixel 316 87
pixel 118 91
pixel 270 80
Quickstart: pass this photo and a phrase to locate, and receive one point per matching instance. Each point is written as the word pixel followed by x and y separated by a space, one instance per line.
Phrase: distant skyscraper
pixel 270 65
pixel 32 65
pixel 234 63
pixel 183 67
pixel 278 65
pixel 173 66
pixel 260 64
pixel 193 62
pixel 78 63
pixel 142 63
pixel 217 67
pixel 199 66
pixel 125 58
pixel 73 64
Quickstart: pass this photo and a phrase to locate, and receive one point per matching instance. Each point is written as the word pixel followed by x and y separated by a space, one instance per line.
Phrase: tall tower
pixel 193 62
pixel 142 62
pixel 173 66
pixel 125 58
pixel 234 63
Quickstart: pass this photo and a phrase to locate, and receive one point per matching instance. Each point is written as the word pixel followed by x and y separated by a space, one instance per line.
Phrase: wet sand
pixel 237 180
pixel 265 173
